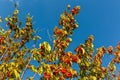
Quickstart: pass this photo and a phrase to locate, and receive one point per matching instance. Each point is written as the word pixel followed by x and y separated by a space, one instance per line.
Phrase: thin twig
pixel 34 75
pixel 38 30
pixel 3 56
pixel 49 35
pixel 27 63
pixel 26 67
pixel 16 52
pixel 5 53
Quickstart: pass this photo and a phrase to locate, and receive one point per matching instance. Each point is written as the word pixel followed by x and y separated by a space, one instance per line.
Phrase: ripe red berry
pixel 64 70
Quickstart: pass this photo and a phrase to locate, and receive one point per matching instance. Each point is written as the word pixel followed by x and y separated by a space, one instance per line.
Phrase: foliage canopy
pixel 54 62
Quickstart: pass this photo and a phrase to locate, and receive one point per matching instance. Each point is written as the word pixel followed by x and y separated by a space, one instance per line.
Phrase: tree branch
pixel 26 67
pixel 28 62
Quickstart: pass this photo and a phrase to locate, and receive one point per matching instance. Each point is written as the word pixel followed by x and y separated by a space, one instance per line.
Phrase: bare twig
pixel 34 75
pixel 38 30
pixel 26 67
pixel 5 53
pixel 27 63
pixel 49 36
pixel 2 56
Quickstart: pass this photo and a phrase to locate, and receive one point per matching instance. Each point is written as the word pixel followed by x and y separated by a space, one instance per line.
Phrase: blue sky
pixel 100 18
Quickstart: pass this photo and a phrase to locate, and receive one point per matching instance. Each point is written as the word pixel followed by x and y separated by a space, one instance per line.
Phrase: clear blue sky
pixel 100 18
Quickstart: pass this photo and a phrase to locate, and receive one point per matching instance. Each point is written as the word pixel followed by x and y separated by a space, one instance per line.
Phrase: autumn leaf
pixel 36 37
pixel 33 68
pixel 40 70
pixel 45 46
pixel 11 78
pixel 17 74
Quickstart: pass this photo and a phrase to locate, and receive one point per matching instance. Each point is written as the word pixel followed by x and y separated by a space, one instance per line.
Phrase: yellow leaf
pixel 93 78
pixel 85 78
pixel 36 37
pixel 118 77
pixel 12 63
pixel 1 66
pixel 31 78
pixel 40 70
pixel 17 75
pixel 11 78
pixel 47 46
pixel 16 12
pixel 33 68
pixel 7 19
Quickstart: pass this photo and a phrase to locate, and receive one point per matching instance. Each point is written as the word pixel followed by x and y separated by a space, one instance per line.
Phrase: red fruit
pixel 74 58
pixel 42 47
pixel 69 74
pixel 2 40
pixel 75 10
pixel 64 70
pixel 57 30
pixel 9 74
pixel 81 50
pixel 41 53
pixel 47 76
pixel 72 11
pixel 67 61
